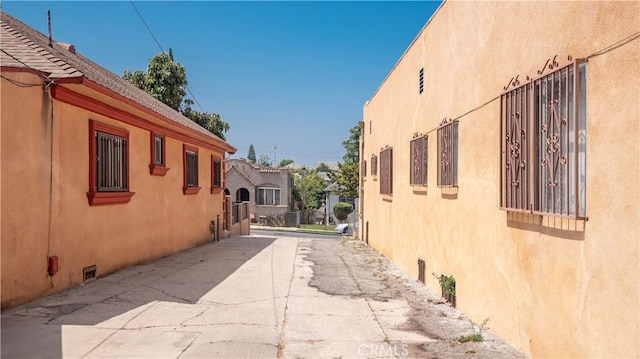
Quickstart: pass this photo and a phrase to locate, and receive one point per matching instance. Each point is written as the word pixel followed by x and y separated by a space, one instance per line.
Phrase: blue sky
pixel 289 75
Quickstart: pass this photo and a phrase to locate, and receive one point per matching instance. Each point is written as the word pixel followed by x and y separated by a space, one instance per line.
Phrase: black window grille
pixel 158 150
pixel 191 159
pixel 111 163
pixel 421 81
pixel 216 167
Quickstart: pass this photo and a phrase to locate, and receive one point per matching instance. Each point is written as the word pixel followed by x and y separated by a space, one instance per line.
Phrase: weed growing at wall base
pixel 476 336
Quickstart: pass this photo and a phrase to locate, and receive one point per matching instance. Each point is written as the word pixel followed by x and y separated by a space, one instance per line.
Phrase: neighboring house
pixel 503 150
pixel 268 190
pixel 97 175
pixel 331 198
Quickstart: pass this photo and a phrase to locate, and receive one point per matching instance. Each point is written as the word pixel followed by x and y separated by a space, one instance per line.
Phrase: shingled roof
pixel 24 47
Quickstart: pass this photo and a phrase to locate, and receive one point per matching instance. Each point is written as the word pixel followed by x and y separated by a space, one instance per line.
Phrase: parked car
pixel 346 228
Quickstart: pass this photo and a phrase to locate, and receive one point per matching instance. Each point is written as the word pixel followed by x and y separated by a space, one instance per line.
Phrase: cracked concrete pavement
pixel 247 297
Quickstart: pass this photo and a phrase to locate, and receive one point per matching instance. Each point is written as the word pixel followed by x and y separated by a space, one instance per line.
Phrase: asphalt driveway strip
pixel 351 268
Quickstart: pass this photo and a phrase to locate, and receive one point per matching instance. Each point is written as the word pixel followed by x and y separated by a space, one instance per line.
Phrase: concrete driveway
pixel 245 297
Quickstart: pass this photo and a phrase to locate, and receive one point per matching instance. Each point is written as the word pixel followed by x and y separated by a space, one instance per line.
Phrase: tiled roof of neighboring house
pixel 270 170
pixel 25 47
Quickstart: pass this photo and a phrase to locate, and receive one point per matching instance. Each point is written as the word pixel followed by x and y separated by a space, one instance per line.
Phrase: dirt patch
pixel 351 268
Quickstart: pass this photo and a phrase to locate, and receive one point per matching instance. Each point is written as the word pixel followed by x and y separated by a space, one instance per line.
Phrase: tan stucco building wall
pixel 551 287
pixel 45 210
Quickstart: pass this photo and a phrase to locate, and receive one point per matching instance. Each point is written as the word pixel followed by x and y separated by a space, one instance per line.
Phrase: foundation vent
pixel 89 273
pixel 421 278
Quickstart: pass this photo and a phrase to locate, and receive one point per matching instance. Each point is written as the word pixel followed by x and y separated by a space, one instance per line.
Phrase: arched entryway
pixel 242 195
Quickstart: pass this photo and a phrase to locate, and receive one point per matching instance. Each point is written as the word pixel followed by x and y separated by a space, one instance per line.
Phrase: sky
pixel 289 77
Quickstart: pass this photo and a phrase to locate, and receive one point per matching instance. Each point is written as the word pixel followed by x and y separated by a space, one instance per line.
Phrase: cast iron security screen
pixel 543 150
pixel 448 154
pixel 192 168
pixel 386 171
pixel 111 163
pixel 419 159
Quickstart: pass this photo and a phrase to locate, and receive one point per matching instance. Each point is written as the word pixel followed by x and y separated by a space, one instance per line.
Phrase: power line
pixel 161 49
pixel 147 26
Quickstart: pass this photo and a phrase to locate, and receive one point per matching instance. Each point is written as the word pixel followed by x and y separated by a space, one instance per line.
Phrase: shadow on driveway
pixel 36 330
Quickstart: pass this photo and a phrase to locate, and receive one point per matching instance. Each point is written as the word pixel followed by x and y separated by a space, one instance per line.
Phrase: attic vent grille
pixel 89 273
pixel 421 266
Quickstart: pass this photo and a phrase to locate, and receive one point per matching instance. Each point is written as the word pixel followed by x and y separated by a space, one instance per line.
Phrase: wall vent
pixel 421 270
pixel 89 273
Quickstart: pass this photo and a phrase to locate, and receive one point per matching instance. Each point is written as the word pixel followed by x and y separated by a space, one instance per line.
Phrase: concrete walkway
pixel 244 297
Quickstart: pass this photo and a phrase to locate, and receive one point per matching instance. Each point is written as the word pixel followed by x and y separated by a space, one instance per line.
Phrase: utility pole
pixel 275 149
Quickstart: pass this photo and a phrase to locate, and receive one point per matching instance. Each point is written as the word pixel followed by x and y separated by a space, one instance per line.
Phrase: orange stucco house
pixel 503 153
pixel 96 175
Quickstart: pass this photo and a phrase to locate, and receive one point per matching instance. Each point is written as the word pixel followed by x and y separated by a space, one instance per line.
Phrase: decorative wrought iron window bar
pixel 543 147
pixel 419 148
pixel 448 153
pixel 374 165
pixel 386 171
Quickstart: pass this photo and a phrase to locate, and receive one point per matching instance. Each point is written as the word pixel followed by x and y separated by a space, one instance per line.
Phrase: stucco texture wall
pixel 26 133
pixel 551 287
pixel 159 219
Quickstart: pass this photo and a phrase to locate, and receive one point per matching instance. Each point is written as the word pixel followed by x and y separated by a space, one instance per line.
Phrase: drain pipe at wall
pixel 52 261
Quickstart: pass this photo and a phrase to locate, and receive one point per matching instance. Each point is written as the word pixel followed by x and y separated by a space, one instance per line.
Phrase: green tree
pixel 166 80
pixel 322 167
pixel 346 179
pixel 264 161
pixel 310 187
pixel 210 121
pixel 251 156
pixel 285 162
pixel 342 210
pixel 352 146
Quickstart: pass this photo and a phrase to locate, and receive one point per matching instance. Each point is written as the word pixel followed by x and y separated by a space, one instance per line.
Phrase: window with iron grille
pixel 543 150
pixel 448 154
pixel 363 168
pixel 419 148
pixel 158 150
pixel 374 165
pixel 386 171
pixel 421 81
pixel 216 173
pixel 157 165
pixel 268 196
pixel 190 159
pixel 112 167
pixel 109 168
